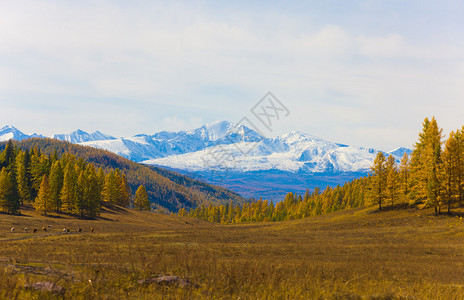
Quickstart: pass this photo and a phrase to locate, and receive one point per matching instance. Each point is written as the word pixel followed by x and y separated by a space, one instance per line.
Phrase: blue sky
pixel 364 73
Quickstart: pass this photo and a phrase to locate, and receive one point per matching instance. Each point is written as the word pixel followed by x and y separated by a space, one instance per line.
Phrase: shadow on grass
pixel 113 209
pixel 16 215
pixel 452 214
pixel 399 206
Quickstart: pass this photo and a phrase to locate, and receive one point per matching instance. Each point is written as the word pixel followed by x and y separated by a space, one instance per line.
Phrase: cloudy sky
pixel 364 73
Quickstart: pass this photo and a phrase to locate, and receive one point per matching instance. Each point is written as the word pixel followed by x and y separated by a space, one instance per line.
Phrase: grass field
pixel 354 254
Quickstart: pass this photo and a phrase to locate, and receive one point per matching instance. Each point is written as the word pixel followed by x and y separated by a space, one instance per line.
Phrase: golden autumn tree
pixel 450 170
pixel 141 199
pixel 378 180
pixel 44 197
pixel 392 181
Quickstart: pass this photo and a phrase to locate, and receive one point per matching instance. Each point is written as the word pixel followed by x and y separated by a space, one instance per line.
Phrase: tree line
pixel 350 195
pixel 59 183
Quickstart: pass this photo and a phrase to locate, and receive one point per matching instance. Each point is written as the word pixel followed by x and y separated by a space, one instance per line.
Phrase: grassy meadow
pixel 352 254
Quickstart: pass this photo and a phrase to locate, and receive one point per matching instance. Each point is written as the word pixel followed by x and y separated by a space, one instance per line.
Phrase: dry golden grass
pixel 354 254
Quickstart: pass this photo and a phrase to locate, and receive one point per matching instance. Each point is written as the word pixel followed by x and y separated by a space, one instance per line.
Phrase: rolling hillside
pixel 168 192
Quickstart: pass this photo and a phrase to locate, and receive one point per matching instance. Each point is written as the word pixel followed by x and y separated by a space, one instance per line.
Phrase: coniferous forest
pixel 167 191
pixel 57 184
pixel 432 176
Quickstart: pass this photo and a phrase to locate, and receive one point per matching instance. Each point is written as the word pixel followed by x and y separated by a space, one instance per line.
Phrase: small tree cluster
pixel 432 176
pixel 384 180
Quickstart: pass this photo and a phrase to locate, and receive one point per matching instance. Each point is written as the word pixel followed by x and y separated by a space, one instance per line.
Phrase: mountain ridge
pixel 219 149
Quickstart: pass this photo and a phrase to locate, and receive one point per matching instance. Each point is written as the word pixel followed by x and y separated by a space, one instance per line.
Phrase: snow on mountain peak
pixel 400 151
pixel 225 132
pixel 10 132
pixel 80 136
pixel 8 127
pixel 298 136
pixel 215 130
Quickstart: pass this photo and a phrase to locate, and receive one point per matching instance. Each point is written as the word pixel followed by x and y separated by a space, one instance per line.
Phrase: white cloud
pixel 213 64
pixel 383 46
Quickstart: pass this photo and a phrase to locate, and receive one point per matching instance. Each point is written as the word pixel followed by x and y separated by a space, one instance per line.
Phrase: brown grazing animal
pixel 35 230
pixel 44 228
pixel 91 229
pixel 80 230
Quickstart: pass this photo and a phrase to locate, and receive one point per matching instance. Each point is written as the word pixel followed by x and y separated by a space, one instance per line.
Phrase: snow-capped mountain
pixel 237 157
pixel 80 136
pixel 293 152
pixel 224 145
pixel 9 132
pixel 399 152
pixel 144 147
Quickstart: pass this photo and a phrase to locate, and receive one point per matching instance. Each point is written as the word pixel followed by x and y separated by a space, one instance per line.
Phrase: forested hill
pixel 169 192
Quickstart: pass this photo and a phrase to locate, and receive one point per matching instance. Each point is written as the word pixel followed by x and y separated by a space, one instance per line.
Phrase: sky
pixel 363 73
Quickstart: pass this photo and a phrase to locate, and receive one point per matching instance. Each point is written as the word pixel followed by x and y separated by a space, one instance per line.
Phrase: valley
pixel 351 254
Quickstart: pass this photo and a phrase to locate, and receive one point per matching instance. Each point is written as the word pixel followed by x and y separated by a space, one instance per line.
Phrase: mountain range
pixel 236 156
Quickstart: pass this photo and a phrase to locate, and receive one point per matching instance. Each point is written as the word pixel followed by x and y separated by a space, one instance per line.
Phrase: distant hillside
pixel 166 189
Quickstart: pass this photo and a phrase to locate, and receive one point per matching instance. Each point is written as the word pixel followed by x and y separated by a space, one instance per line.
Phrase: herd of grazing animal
pixel 65 230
